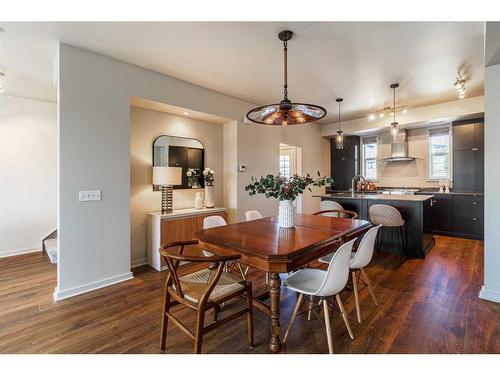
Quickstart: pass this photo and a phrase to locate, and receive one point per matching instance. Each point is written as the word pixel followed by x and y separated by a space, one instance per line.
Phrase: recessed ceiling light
pixel 186 113
pixel 371 116
pixel 405 110
pixel 381 115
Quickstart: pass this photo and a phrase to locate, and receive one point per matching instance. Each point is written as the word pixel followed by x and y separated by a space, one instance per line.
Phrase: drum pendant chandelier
pixel 286 112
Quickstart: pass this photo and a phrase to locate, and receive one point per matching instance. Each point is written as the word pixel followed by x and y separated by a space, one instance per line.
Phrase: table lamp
pixel 167 177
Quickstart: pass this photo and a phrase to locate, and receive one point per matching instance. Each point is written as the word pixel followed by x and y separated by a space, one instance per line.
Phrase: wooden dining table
pixel 264 245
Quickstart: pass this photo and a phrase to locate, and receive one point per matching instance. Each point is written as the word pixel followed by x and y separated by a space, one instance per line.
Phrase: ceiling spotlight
pixel 405 110
pixel 381 115
pixel 460 87
pixel 371 116
pixel 186 113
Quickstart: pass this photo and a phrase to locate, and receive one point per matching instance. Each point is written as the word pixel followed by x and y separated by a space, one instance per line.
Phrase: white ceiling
pixel 353 60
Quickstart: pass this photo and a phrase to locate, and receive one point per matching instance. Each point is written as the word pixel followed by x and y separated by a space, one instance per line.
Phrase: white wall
pixel 146 126
pixel 258 149
pixel 406 174
pixel 491 288
pixel 28 173
pixel 94 122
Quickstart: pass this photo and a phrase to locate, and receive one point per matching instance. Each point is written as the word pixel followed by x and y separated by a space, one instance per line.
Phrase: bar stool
pixel 390 217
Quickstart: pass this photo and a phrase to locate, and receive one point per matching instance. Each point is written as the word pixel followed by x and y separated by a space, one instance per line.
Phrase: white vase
pixel 209 196
pixel 198 201
pixel 287 214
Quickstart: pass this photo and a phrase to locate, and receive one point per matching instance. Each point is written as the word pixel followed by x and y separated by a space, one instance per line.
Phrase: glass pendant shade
pixel 339 140
pixel 394 124
pixel 286 112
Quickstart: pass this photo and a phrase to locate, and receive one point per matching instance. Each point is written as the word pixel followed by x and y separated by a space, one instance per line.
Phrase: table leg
pixel 274 292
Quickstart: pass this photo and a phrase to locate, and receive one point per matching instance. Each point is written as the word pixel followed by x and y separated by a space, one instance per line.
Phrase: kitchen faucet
pixel 353 183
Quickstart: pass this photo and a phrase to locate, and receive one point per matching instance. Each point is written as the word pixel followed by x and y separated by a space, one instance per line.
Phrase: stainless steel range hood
pixel 399 149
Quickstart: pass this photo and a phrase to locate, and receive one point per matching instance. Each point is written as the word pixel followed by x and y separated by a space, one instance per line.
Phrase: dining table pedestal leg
pixel 274 294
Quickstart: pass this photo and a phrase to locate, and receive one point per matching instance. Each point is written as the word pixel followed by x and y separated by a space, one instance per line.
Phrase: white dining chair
pixel 359 260
pixel 214 222
pixel 312 282
pixel 253 215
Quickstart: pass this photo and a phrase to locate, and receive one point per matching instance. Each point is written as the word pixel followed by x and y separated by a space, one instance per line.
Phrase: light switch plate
pixel 89 195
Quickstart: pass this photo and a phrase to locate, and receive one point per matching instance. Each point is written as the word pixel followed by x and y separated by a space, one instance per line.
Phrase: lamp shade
pixel 167 176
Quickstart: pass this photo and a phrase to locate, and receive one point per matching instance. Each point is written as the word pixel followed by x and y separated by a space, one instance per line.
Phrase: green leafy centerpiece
pixel 286 190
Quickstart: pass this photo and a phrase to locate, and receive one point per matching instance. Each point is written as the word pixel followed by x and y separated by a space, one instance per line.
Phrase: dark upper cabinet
pixel 463 171
pixel 345 162
pixel 463 137
pixel 468 156
pixel 177 156
pixel 479 135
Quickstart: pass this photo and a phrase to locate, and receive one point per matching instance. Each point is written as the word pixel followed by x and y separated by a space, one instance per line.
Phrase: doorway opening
pixel 290 163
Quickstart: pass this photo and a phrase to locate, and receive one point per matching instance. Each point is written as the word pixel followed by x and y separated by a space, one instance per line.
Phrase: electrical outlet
pixel 89 195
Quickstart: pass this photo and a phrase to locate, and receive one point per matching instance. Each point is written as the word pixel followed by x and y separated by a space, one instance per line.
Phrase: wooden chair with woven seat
pixel 201 291
pixel 339 213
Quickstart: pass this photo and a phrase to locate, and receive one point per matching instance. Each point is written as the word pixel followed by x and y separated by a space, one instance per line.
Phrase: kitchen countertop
pixel 380 197
pixel 423 191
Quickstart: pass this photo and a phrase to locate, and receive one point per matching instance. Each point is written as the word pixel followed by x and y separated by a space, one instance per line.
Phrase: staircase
pixel 49 245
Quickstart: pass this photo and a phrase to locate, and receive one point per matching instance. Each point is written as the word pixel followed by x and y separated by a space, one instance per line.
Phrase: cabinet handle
pixel 475 149
pixel 474 219
pixel 474 203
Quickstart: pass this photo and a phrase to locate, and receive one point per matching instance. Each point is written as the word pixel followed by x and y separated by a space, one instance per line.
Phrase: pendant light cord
pixel 285 62
pixel 394 106
pixel 339 116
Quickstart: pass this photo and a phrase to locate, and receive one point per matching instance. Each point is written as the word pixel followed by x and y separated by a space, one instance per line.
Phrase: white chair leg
pixel 356 295
pixel 267 278
pixel 311 307
pixel 328 327
pixel 369 284
pixel 344 316
pixel 294 316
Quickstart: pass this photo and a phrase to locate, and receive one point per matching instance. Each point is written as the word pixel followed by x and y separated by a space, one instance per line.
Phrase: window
pixel 369 158
pixel 285 165
pixel 439 154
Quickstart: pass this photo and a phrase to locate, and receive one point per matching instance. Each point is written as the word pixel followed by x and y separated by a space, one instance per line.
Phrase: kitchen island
pixel 415 210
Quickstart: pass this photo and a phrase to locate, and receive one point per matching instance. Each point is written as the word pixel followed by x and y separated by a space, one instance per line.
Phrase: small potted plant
pixel 286 190
pixel 208 175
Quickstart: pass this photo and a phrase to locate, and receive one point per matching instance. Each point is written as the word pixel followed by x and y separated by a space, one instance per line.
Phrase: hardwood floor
pixel 425 306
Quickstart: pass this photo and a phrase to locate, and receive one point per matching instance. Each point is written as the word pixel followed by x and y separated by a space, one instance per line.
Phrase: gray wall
pixel 94 131
pixel 94 121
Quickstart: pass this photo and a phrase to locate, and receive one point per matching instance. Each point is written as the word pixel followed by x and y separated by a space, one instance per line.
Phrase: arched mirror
pixel 187 153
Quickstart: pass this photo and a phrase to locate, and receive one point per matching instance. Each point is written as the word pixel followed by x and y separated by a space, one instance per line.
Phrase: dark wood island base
pixel 415 209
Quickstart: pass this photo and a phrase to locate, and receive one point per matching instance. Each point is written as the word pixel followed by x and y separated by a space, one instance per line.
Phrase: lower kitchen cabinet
pixel 460 215
pixel 468 215
pixel 441 214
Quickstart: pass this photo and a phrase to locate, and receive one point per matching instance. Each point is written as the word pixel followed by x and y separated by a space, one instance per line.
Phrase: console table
pixel 177 226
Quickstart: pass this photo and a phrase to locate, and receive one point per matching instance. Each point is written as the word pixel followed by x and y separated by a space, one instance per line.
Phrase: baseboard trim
pixel 489 295
pixel 27 250
pixel 63 294
pixel 139 262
